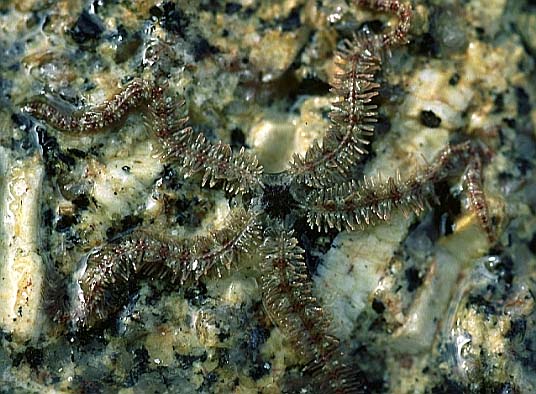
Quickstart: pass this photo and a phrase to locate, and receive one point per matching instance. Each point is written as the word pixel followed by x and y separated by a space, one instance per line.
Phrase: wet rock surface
pixel 424 304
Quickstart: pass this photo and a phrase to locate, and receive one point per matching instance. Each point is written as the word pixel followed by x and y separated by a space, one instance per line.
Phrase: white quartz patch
pixel 351 270
pixel 121 180
pixel 430 91
pixel 21 267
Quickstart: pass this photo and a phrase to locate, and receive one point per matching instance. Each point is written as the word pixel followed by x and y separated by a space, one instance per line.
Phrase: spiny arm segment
pixel 145 254
pixel 193 155
pixel 356 204
pixel 93 119
pixel 288 300
pixel 352 120
pixel 191 152
pixel 353 115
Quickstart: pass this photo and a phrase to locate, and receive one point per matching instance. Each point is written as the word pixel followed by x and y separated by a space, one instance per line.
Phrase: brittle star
pixel 320 187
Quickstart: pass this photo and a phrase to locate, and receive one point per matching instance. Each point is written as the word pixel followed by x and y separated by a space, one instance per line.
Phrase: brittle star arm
pixel 144 253
pixel 292 307
pixel 354 204
pixel 194 155
pixel 94 119
pixel 190 152
pixel 353 114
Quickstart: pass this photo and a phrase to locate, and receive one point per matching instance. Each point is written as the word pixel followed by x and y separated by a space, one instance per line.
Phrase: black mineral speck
pixel 48 215
pixel 156 12
pixel 65 222
pixel 34 357
pixel 482 304
pixel 212 377
pixel 430 119
pixel 426 45
pixel 382 126
pixel 453 81
pixel 232 8
pixel 374 26
pixel 16 359
pixel 259 370
pixel 196 294
pixel 414 278
pixel 77 153
pixel 224 335
pixel 49 146
pixel 87 27
pixel 203 49
pixel 518 328
pixel 505 270
pixel 213 6
pixel 127 223
pixel 523 101
pixel 532 243
pixel 480 32
pixel 312 86
pixel 523 165
pixel 188 212
pixel 449 209
pixel 7 335
pixel 185 361
pixel 256 338
pixel 291 22
pixel 172 18
pixel 378 306
pixel 498 103
pixel 510 122
pixel 238 139
pixel 81 201
pixel 314 244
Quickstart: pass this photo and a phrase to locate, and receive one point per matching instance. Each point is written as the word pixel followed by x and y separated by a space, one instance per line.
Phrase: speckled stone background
pixel 423 304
